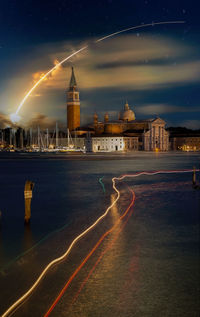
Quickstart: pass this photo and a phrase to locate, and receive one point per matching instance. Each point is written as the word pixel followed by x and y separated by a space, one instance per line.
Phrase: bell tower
pixel 73 104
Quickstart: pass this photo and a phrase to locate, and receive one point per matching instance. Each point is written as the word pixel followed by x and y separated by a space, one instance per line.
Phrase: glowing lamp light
pixel 14 117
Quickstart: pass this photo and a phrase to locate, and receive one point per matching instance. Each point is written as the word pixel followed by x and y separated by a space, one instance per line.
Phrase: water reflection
pixel 165 226
pixel 28 240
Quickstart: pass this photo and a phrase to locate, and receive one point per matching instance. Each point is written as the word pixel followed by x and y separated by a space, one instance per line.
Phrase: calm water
pixel 147 266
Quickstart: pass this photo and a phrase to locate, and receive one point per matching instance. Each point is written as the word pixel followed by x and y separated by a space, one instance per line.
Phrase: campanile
pixel 73 104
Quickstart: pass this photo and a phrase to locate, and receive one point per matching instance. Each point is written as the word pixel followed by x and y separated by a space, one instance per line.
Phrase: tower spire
pixel 72 83
pixel 73 104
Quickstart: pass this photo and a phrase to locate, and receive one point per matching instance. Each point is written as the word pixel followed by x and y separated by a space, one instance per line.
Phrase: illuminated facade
pixel 124 134
pixel 73 104
pixel 151 134
pixel 111 144
pixel 156 137
pixel 187 143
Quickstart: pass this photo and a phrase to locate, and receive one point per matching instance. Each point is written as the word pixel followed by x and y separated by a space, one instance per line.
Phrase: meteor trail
pixel 138 27
pixel 45 75
pixel 55 261
pixel 15 115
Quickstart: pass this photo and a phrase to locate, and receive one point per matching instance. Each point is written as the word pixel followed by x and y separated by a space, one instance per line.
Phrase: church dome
pixel 127 114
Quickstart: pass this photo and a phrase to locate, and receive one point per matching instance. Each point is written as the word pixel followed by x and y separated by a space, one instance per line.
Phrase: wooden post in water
pixel 27 200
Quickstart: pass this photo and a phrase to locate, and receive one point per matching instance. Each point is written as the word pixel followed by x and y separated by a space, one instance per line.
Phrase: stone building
pixel 114 143
pixel 183 139
pixel 124 134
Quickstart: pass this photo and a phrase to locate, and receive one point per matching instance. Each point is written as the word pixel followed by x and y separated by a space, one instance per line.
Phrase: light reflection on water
pixel 151 270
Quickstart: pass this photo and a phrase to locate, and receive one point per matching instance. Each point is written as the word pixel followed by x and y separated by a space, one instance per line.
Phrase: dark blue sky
pixel 33 33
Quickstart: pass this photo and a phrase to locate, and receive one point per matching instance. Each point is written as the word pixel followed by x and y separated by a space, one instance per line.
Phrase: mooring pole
pixel 28 189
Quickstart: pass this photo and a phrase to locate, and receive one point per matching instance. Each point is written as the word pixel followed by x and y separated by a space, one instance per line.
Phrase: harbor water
pixel 148 265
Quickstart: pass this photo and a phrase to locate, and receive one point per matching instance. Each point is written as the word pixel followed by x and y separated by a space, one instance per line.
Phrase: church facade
pixel 123 134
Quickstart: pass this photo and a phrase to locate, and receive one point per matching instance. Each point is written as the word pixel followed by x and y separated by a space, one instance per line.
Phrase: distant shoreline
pixel 92 156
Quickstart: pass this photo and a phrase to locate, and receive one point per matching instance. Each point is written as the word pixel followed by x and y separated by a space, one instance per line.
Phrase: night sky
pixel 157 69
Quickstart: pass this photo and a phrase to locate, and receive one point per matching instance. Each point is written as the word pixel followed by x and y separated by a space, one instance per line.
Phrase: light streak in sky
pixel 88 256
pixel 15 116
pixel 138 27
pixel 55 261
pixel 45 75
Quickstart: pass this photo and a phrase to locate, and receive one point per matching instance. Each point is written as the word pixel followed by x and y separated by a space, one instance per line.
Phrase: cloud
pixel 43 121
pixel 191 124
pixel 130 63
pixel 159 109
pixel 5 121
pixel 123 64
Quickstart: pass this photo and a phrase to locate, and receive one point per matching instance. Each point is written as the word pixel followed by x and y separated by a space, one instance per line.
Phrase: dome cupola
pixel 127 114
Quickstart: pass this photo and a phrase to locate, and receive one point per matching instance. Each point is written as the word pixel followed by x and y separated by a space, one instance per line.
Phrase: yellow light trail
pixel 114 179
pixel 89 255
pixel 16 116
pixel 45 75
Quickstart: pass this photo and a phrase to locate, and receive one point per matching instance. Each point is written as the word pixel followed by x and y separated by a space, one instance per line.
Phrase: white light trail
pixel 114 179
pixel 138 27
pixel 83 48
pixel 45 75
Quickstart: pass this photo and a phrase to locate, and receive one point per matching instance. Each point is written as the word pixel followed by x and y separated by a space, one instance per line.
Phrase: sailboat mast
pixel 47 138
pixel 10 136
pixel 38 136
pixel 56 134
pixel 2 137
pixel 31 142
pixel 68 137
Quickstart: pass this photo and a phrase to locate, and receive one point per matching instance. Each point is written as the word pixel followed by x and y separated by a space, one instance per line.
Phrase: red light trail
pixel 114 179
pixel 88 256
pixel 100 257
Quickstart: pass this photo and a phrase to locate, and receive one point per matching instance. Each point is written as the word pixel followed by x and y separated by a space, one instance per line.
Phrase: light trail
pixel 31 289
pixel 33 247
pixel 102 184
pixel 88 256
pixel 55 261
pixel 138 27
pixel 99 259
pixel 15 115
pixel 45 75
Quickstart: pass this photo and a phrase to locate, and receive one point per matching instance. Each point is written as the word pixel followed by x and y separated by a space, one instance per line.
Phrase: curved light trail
pixel 88 256
pixel 31 289
pixel 138 27
pixel 15 115
pixel 99 259
pixel 114 179
pixel 33 247
pixel 102 184
pixel 45 75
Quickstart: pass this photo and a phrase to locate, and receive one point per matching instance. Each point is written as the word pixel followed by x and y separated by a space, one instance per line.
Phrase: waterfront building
pixel 186 143
pixel 124 134
pixel 183 139
pixel 114 143
pixel 147 135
